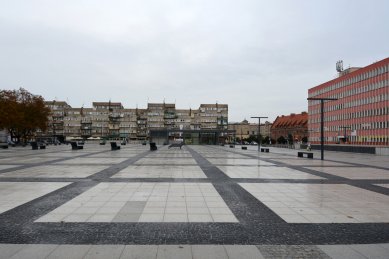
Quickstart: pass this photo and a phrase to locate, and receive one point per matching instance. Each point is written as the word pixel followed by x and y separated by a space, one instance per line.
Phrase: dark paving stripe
pixel 246 208
pixel 30 211
pixel 332 178
pixel 258 225
pixel 107 173
pixel 194 233
pixel 29 165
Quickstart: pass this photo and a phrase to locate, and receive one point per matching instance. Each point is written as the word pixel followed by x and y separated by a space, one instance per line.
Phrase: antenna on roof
pixel 339 66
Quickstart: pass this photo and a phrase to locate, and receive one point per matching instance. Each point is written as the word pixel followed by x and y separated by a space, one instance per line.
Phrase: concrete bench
pixel 75 146
pixel 301 154
pixel 265 150
pixel 153 146
pixel 36 145
pixel 244 148
pixel 114 146
pixel 176 145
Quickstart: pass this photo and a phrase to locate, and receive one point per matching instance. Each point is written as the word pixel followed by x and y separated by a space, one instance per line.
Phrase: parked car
pixel 253 143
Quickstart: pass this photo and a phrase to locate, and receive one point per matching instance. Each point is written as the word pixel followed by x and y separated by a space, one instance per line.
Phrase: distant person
pixel 309 147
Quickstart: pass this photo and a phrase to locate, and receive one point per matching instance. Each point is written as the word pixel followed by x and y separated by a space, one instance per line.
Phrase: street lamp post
pixel 322 120
pixel 259 129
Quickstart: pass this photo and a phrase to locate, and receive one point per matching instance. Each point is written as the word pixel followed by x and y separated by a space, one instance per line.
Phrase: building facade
pixel 360 115
pixel 244 129
pixel 112 120
pixel 293 127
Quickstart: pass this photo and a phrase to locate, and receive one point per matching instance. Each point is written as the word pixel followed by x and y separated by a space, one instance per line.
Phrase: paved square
pixel 314 203
pixel 92 161
pixel 145 202
pixel 14 194
pixel 265 172
pixel 164 161
pixel 194 202
pixel 243 162
pixel 355 172
pixel 165 171
pixel 53 171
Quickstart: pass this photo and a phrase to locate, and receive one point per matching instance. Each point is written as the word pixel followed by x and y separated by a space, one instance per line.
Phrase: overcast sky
pixel 258 56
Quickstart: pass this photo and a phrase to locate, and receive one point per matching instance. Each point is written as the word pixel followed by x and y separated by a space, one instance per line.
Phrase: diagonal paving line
pixel 332 179
pixel 30 211
pixel 245 207
pixel 25 166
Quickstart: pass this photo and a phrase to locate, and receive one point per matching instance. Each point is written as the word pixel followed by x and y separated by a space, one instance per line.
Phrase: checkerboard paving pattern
pixel 315 203
pixel 56 171
pixel 14 194
pixel 145 202
pixel 265 172
pixel 355 172
pixel 164 171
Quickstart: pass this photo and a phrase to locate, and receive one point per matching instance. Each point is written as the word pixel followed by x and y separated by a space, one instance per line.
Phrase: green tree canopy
pixel 22 113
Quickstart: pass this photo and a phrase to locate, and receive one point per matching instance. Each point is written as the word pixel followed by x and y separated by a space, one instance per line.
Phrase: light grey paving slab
pixel 139 252
pixel 34 251
pixel 270 172
pixel 174 252
pixel 8 250
pixel 69 252
pixel 312 203
pixel 243 252
pixel 340 252
pixel 292 251
pixel 14 194
pixel 61 171
pixel 104 252
pixel 371 251
pixel 7 166
pixel 209 251
pixel 354 172
pixel 386 246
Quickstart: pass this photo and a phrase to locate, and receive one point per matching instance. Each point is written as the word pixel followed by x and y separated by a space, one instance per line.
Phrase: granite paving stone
pixel 195 202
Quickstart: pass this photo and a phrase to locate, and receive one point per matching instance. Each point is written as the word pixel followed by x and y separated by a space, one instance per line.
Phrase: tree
pixel 266 140
pixel 22 113
pixel 281 140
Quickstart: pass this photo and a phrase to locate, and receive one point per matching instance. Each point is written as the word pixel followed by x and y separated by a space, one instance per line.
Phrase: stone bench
pixel 114 146
pixel 75 146
pixel 301 154
pixel 36 145
pixel 153 146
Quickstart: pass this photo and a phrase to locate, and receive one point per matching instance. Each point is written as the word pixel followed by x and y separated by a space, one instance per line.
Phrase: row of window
pixel 357 126
pixel 358 78
pixel 354 115
pixel 370 100
pixel 361 139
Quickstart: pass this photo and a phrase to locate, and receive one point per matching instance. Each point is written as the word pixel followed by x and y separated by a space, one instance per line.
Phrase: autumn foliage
pixel 22 113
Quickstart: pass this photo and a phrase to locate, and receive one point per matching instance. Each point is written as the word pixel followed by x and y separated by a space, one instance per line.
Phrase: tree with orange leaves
pixel 22 113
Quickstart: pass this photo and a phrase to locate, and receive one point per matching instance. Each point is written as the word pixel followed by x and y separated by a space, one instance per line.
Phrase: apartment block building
pixel 360 115
pixel 112 120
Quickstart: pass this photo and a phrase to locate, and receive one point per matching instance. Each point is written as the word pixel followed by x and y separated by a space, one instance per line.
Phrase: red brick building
pixel 360 116
pixel 295 125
